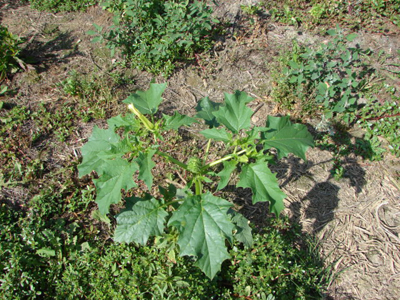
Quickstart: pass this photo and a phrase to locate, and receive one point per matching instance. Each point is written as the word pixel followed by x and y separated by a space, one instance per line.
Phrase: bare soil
pixel 356 220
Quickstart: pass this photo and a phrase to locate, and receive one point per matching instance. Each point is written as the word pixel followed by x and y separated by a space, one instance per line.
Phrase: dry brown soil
pixel 356 220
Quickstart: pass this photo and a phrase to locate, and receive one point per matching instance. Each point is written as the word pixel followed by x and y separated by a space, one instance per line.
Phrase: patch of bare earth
pixel 356 219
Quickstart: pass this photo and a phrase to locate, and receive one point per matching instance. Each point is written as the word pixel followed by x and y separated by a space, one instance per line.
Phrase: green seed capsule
pixel 194 165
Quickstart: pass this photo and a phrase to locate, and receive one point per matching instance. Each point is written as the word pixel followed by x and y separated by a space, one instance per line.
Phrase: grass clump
pixel 155 35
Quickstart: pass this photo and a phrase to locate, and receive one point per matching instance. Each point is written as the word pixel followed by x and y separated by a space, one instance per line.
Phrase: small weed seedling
pixel 202 221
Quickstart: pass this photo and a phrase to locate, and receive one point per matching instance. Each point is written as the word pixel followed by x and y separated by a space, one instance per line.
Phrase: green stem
pixel 170 202
pixel 171 159
pixel 234 151
pixel 228 157
pixel 198 186
pixel 146 122
pixel 207 149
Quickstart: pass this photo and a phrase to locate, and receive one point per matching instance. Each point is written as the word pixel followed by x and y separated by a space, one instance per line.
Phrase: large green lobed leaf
pixel 286 137
pixel 205 109
pixel 204 225
pixel 263 184
pixel 141 219
pixel 145 166
pixel 235 115
pixel 176 121
pixel 147 102
pixel 103 145
pixel 119 176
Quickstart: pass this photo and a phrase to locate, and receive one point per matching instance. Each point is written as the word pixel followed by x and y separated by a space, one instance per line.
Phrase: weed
pixel 331 78
pixel 382 120
pixel 371 14
pixel 116 160
pixel 9 54
pixel 154 35
pixel 44 256
pixel 62 5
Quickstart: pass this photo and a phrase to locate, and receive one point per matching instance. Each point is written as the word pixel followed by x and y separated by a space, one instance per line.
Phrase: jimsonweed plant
pixel 154 35
pixel 129 149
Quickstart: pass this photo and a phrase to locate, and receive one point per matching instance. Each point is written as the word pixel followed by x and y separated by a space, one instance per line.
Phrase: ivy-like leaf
pixel 145 165
pixel 263 184
pixel 225 174
pixel 286 137
pixel 205 109
pixel 147 102
pixel 119 175
pixel 204 225
pixel 217 134
pixel 176 121
pixel 103 145
pixel 235 115
pixel 141 219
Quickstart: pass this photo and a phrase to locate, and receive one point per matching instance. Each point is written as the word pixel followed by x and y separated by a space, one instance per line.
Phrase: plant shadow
pixel 57 49
pixel 321 191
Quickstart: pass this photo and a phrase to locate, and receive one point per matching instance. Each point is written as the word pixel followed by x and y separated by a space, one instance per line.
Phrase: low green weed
pixel 155 35
pixel 382 120
pixel 371 14
pixel 62 5
pixel 44 255
pixel 331 78
pixel 256 273
pixel 203 222
pixel 9 54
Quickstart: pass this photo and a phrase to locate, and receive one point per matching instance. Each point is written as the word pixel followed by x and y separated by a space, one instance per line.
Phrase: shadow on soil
pixel 323 194
pixel 54 51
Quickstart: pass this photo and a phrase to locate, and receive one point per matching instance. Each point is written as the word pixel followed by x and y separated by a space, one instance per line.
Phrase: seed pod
pixel 194 165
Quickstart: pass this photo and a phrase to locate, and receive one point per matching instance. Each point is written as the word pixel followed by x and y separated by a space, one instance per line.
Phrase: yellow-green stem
pixel 207 150
pixel 228 157
pixel 146 122
pixel 198 186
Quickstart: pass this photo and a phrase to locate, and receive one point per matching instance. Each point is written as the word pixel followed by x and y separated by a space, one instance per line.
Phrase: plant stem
pixel 146 122
pixel 171 159
pixel 169 203
pixel 228 157
pixel 198 186
pixel 207 149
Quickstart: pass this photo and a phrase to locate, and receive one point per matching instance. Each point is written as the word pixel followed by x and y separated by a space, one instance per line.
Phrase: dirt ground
pixel 355 219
